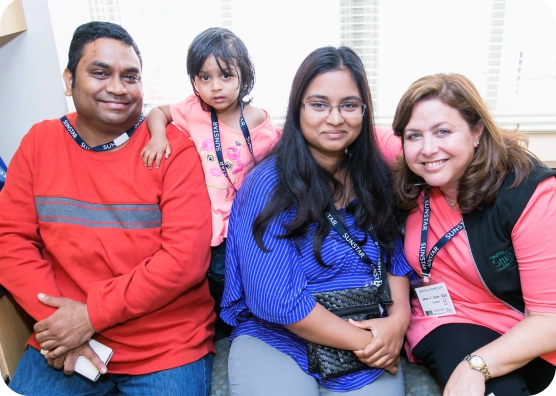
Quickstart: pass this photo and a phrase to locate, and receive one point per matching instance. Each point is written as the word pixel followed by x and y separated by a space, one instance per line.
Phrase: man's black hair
pixel 91 31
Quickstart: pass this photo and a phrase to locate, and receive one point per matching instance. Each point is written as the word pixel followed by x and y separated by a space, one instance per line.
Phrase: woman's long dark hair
pixel 306 186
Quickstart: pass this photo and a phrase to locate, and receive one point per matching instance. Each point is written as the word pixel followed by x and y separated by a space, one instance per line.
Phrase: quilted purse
pixel 359 303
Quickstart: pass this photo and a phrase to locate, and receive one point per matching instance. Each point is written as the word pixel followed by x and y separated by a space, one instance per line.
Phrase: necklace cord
pixel 450 202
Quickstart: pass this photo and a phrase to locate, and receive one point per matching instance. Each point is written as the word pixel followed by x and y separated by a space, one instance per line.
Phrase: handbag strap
pixel 379 270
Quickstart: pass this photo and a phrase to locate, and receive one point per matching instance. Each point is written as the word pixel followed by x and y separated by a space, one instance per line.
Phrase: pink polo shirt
pixel 535 250
pixel 389 144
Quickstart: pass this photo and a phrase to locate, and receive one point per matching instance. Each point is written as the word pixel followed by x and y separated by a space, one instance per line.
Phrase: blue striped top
pixel 264 291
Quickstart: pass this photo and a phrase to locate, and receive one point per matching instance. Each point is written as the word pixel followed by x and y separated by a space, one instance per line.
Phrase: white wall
pixel 31 64
pixel 543 145
pixel 66 16
pixel 31 86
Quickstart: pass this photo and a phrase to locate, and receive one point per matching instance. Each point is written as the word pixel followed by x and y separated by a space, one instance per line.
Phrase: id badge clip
pixel 419 282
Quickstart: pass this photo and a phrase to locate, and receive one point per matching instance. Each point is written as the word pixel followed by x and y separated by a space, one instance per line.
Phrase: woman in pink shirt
pixel 482 211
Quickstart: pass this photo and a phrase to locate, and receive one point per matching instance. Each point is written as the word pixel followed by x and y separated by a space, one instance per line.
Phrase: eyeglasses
pixel 321 109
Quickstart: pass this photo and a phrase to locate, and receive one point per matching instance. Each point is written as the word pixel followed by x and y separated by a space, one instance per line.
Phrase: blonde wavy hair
pixel 499 152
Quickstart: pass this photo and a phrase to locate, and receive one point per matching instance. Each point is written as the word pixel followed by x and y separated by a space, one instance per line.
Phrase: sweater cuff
pixel 95 315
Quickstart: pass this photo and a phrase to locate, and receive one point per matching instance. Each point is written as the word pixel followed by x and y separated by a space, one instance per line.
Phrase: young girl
pixel 229 133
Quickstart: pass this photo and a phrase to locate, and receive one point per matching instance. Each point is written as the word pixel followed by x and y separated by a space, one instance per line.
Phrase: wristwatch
pixel 477 363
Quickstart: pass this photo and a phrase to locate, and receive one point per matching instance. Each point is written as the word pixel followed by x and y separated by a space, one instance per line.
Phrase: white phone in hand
pixel 85 367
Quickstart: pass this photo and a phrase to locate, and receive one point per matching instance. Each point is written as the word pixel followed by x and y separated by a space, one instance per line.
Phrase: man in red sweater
pixel 93 245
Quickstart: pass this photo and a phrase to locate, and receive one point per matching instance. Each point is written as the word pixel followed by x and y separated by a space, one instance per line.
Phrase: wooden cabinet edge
pixel 13 19
pixel 4 372
pixel 15 329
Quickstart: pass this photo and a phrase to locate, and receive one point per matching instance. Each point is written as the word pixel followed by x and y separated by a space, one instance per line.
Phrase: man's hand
pixel 67 328
pixel 384 350
pixel 67 361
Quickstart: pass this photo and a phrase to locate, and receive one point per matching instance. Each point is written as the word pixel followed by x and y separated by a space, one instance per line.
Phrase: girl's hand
pixel 384 349
pixel 465 381
pixel 154 151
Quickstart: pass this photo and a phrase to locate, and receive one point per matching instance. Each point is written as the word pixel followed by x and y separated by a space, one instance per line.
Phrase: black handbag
pixel 359 303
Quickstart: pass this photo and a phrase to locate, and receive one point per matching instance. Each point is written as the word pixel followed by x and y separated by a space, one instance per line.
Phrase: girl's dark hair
pixel 304 185
pixel 231 55
pixel 499 150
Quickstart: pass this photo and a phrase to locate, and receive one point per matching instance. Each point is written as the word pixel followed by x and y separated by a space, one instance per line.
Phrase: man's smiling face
pixel 106 88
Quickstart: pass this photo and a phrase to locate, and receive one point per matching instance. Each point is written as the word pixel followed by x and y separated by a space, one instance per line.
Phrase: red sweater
pixel 131 243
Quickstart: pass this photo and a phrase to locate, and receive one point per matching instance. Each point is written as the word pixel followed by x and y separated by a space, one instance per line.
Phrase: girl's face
pixel 328 134
pixel 217 89
pixel 439 144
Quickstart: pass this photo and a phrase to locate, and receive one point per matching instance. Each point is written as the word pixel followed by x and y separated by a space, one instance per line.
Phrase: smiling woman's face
pixel 329 134
pixel 439 144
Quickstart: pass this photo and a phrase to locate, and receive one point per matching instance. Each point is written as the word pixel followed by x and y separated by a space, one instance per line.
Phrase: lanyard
pixel 424 260
pixel 379 269
pixel 217 141
pixel 124 137
pixel 340 229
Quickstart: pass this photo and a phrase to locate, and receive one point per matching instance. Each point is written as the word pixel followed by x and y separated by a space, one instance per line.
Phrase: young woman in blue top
pixel 281 247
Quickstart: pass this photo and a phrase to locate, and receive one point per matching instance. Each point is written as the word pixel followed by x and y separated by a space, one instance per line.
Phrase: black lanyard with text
pixel 424 260
pixel 379 271
pixel 217 141
pixel 124 137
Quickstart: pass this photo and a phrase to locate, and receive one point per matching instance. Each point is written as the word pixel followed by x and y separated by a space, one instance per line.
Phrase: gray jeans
pixel 255 368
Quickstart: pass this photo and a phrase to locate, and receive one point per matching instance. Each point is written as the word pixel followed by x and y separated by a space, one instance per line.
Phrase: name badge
pixel 435 300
